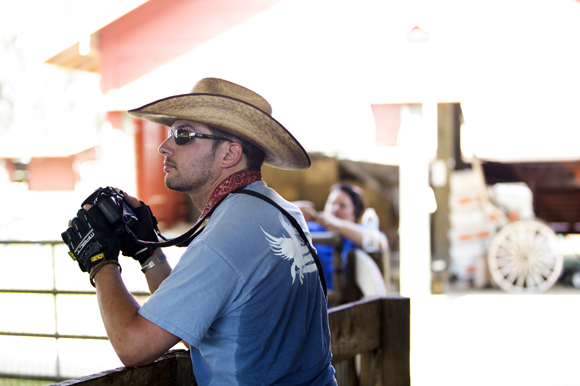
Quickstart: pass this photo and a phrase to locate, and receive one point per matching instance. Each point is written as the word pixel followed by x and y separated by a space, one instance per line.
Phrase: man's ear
pixel 232 155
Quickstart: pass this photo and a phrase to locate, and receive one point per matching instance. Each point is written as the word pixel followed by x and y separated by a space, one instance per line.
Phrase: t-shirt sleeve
pixel 200 289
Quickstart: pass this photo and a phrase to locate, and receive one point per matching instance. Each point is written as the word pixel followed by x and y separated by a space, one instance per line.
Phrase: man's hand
pixel 90 239
pixel 143 228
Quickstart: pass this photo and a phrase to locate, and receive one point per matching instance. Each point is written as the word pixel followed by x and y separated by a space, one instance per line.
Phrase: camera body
pixel 113 206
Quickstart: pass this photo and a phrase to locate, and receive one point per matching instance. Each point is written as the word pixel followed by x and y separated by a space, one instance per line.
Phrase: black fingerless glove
pixel 143 229
pixel 90 239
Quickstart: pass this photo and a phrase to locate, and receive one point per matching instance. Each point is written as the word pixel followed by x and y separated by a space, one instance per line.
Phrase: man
pixel 246 295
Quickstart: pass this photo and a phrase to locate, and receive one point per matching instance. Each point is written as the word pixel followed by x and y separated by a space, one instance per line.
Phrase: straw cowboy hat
pixel 235 110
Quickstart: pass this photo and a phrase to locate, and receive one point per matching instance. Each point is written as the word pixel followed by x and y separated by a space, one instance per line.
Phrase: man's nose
pixel 166 147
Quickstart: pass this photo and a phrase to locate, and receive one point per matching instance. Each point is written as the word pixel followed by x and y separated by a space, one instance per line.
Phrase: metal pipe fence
pixel 51 328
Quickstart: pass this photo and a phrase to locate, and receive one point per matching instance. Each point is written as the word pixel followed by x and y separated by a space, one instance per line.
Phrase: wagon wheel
pixel 524 257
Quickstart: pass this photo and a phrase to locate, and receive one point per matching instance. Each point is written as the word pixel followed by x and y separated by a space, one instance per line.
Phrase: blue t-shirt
pixel 247 298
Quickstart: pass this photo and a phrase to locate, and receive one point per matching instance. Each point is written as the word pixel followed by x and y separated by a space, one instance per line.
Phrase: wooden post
pixel 377 328
pixel 446 122
pixel 396 342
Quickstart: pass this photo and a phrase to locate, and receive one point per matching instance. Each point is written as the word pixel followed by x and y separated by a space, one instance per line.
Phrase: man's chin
pixel 171 185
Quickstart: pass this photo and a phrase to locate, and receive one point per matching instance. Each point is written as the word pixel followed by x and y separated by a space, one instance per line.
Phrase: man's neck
pixel 201 196
pixel 226 185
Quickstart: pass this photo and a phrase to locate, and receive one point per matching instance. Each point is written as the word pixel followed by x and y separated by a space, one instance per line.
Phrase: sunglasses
pixel 183 137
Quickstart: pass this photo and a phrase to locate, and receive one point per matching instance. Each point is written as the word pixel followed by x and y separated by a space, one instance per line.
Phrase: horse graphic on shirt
pixel 292 248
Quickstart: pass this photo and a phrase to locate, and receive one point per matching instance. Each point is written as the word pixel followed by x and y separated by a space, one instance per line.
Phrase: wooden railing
pixel 369 339
pixel 172 369
pixel 377 331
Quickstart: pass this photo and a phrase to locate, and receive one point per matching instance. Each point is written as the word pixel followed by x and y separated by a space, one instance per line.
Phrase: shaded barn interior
pixel 555 187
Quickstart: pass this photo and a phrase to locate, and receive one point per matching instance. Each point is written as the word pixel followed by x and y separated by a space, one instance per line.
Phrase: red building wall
pixel 161 30
pixel 52 173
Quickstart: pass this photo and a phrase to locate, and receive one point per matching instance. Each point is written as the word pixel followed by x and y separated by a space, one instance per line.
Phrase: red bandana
pixel 235 181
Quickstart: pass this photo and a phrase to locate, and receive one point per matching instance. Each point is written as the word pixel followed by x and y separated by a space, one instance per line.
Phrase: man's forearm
pixel 158 272
pixel 135 340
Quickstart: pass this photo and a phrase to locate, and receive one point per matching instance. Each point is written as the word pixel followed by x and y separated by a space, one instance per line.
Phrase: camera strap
pixel 185 239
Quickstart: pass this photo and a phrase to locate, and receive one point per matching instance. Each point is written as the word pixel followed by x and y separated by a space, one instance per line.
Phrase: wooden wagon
pixel 524 254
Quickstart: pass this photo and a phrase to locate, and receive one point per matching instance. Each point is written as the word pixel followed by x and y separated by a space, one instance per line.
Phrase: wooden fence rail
pixel 370 342
pixel 376 330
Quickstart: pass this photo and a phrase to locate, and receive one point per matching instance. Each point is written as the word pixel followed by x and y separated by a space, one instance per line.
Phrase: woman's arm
pixel 351 230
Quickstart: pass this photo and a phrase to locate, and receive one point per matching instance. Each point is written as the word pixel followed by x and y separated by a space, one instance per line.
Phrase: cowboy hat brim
pixel 233 116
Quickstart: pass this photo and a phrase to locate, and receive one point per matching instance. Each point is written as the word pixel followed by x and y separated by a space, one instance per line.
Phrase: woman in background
pixel 342 213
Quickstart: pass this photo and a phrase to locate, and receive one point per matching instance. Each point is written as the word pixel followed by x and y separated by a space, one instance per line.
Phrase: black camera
pixel 113 206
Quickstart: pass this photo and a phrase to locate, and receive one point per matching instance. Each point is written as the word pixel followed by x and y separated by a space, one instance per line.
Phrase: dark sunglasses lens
pixel 181 137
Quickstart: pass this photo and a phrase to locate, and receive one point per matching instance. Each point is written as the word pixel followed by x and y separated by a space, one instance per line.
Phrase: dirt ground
pixel 489 337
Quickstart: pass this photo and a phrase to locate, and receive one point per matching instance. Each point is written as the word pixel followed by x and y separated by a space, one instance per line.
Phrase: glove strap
pixel 98 267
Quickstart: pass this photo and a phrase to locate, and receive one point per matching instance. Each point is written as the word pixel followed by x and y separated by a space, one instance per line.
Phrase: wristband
pixel 151 264
pixel 97 267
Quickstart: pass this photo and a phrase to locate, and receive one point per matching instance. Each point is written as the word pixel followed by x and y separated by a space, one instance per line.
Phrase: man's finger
pixel 132 201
